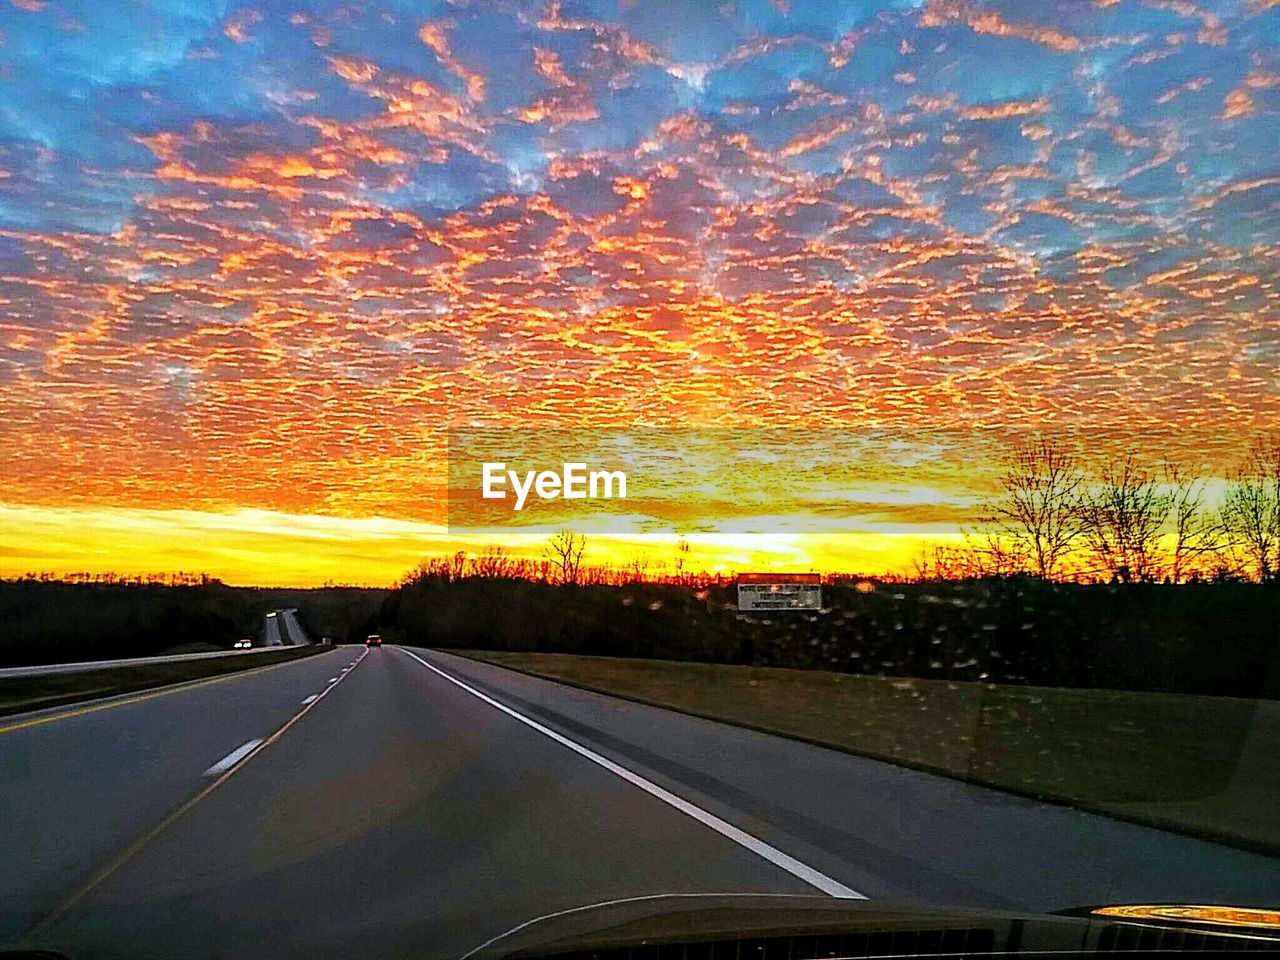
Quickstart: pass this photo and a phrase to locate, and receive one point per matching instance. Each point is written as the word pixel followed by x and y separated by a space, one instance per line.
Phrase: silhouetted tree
pixel 1037 514
pixel 638 568
pixel 492 564
pixel 1251 509
pixel 1193 533
pixel 681 558
pixel 564 553
pixel 1123 515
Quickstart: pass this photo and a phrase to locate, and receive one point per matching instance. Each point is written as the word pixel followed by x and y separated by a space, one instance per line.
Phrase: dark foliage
pixel 1208 638
pixel 50 621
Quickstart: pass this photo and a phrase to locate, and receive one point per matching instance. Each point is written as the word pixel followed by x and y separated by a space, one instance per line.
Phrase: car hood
pixel 760 926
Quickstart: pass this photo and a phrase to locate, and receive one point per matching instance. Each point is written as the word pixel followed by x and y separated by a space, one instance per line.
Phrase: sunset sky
pixel 257 259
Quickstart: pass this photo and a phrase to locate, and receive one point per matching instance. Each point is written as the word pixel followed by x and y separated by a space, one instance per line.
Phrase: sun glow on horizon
pixel 264 548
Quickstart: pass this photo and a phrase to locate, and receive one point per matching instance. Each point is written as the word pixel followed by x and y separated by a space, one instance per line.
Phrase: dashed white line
pixel 130 851
pixel 760 848
pixel 310 699
pixel 232 758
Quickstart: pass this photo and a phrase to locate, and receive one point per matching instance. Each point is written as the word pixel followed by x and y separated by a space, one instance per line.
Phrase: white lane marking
pixel 333 679
pixel 802 871
pixel 612 903
pixel 310 699
pixel 232 758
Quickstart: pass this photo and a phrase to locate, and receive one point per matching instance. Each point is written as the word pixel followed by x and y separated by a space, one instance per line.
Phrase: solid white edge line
pixel 232 758
pixel 613 903
pixel 802 871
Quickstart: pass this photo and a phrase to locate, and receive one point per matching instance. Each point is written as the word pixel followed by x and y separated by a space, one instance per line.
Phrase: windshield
pixel 466 462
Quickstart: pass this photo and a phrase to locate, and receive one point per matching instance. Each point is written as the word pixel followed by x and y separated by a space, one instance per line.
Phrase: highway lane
pixel 402 816
pixel 271 632
pixel 79 783
pixel 291 632
pixel 417 813
pixel 888 830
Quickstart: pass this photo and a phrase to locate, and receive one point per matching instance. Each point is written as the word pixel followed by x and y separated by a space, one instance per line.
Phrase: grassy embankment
pixel 21 694
pixel 1194 764
pixel 1156 702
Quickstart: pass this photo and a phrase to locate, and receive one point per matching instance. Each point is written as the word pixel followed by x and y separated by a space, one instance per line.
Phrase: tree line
pixel 1059 516
pixel 561 561
pixel 1056 515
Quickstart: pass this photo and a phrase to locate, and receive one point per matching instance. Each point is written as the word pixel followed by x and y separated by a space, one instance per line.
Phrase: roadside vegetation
pixel 1195 764
pixel 1215 638
pixel 1076 573
pixel 105 617
pixel 1086 574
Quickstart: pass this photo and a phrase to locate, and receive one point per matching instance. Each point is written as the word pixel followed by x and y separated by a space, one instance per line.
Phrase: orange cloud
pixel 237 27
pixel 433 36
pixel 1003 111
pixel 938 12
pixel 1237 104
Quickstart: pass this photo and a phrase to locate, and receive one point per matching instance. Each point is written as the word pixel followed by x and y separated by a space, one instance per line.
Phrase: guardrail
pixel 289 630
pixel 53 669
pixel 24 689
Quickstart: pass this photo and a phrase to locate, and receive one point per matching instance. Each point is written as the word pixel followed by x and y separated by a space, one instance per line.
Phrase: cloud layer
pixel 261 256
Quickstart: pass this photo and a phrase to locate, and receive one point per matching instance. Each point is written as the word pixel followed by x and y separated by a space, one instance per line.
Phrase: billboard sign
pixel 760 592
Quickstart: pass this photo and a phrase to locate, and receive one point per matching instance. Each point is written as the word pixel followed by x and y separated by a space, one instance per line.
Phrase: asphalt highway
pixel 281 628
pixel 400 802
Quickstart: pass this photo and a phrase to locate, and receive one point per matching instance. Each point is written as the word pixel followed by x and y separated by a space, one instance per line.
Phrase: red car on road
pixel 373 640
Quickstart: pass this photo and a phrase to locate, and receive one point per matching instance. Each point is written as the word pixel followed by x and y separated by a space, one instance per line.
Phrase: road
pixel 402 802
pixel 291 632
pixel 281 628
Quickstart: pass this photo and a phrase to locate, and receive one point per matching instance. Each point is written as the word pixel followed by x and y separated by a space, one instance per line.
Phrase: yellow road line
pixel 139 844
pixel 138 698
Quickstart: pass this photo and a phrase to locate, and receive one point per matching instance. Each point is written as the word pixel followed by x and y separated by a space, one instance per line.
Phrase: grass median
pixel 1194 764
pixel 23 694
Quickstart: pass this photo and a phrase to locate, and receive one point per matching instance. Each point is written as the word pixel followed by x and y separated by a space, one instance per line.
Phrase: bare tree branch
pixel 1123 516
pixel 1194 534
pixel 564 554
pixel 1251 509
pixel 1038 514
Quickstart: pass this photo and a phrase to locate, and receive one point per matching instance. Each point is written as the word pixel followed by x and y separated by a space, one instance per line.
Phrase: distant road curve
pixel 291 632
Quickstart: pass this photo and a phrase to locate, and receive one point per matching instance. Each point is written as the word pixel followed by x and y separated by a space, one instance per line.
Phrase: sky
pixel 257 259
